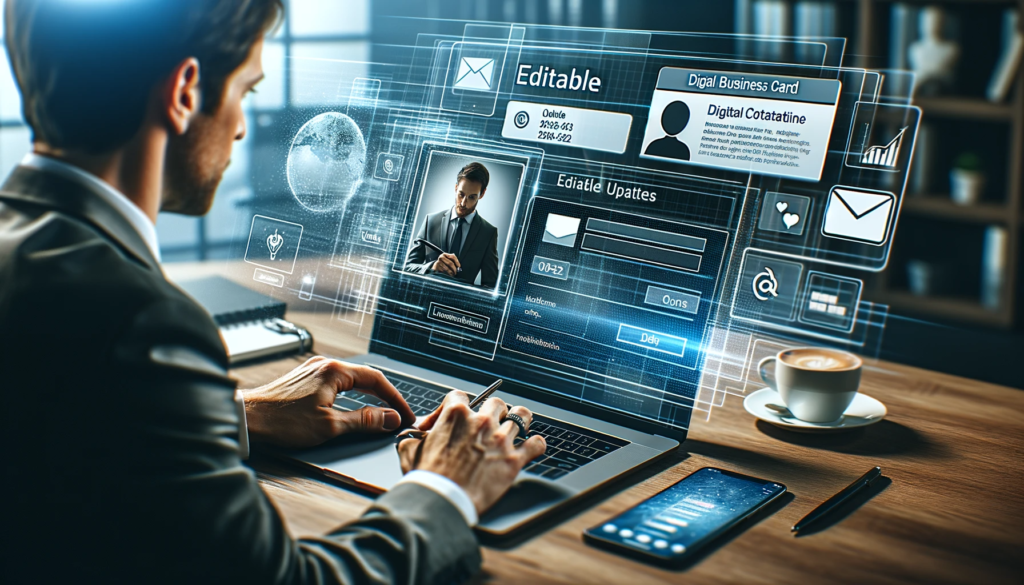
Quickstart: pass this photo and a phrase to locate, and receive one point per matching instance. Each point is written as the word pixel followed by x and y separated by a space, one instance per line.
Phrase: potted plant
pixel 967 179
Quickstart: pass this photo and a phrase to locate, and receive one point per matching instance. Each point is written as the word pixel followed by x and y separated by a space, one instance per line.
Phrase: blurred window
pixel 333 34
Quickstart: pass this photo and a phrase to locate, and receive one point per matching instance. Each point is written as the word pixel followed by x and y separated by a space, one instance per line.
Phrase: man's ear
pixel 182 100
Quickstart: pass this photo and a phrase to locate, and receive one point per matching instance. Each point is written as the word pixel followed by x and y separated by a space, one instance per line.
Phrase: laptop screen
pixel 601 289
pixel 591 216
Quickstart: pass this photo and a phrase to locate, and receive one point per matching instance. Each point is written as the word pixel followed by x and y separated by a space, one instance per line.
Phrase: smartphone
pixel 673 524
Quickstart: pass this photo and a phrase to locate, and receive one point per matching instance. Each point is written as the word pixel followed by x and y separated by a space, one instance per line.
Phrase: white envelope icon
pixel 561 230
pixel 475 73
pixel 862 216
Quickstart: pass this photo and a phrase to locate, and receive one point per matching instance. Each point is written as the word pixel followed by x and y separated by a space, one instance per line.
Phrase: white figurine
pixel 932 58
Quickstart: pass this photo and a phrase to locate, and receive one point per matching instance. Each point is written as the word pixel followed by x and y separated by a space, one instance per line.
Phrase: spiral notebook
pixel 251 324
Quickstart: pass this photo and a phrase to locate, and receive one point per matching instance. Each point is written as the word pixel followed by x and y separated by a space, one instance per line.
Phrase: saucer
pixel 863 411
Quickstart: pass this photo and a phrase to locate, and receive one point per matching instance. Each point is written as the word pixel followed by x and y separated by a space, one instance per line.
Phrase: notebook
pixel 251 324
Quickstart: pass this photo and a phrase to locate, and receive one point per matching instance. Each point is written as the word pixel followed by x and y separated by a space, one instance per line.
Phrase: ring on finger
pixel 409 435
pixel 519 422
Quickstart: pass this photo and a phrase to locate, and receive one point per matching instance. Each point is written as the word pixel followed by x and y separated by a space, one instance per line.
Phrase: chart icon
pixel 884 156
pixel 882 137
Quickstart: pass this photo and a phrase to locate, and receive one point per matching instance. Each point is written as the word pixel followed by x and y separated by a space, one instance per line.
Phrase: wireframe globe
pixel 326 161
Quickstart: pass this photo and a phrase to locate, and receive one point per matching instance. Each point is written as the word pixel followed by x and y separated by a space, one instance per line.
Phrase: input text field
pixel 641 252
pixel 648 235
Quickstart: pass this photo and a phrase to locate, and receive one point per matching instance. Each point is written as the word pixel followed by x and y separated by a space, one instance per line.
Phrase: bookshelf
pixel 962 120
pixel 935 214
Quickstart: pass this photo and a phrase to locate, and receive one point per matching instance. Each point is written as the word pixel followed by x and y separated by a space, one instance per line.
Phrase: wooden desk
pixel 952 448
pixel 953 512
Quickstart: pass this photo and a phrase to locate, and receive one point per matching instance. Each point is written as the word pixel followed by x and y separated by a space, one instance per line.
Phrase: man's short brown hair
pixel 86 70
pixel 475 172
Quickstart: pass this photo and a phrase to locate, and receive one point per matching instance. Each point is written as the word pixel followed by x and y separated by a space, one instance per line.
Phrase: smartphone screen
pixel 688 514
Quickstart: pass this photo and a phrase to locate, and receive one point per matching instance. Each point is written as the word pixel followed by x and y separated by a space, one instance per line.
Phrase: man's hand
pixel 475 450
pixel 447 264
pixel 298 409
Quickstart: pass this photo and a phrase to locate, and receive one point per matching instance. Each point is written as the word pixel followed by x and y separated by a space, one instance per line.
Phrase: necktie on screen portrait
pixel 454 247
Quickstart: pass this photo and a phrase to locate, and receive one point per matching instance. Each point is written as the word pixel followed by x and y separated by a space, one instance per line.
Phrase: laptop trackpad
pixel 369 459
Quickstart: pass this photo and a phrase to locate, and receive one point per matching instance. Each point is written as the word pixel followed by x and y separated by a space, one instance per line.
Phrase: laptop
pixel 595 324
pixel 584 452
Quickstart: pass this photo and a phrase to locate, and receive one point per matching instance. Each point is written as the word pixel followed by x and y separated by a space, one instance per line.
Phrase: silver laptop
pixel 606 354
pixel 583 452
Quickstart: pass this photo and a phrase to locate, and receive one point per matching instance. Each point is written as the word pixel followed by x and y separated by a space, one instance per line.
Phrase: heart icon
pixel 782 206
pixel 790 219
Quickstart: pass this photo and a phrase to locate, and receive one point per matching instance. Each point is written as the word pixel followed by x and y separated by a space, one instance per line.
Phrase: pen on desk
pixel 835 501
pixel 433 247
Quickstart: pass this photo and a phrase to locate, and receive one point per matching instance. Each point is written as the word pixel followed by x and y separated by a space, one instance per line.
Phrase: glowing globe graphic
pixel 326 162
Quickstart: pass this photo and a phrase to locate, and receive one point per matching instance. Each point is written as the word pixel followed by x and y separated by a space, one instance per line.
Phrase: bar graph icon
pixel 884 156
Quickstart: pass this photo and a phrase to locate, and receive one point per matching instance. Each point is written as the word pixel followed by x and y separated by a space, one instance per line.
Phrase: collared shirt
pixel 131 212
pixel 453 224
pixel 144 226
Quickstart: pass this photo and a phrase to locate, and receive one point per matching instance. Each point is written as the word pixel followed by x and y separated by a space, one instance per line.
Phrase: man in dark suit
pixel 122 430
pixel 469 242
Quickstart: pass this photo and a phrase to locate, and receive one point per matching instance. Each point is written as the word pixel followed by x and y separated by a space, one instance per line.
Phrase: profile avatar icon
pixel 673 120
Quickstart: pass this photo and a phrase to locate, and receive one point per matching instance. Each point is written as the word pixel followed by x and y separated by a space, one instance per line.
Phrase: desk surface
pixel 952 448
pixel 953 511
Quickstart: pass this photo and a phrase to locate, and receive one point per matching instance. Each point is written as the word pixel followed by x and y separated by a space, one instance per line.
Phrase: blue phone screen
pixel 672 522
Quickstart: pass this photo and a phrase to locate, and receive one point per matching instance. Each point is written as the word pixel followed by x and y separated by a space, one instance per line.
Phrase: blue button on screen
pixel 651 340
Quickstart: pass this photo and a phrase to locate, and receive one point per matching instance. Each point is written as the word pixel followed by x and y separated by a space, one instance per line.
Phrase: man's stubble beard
pixel 190 180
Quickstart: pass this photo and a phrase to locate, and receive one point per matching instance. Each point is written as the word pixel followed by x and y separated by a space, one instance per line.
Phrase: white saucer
pixel 863 411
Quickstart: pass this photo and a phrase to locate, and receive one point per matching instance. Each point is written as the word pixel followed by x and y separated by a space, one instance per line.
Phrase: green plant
pixel 968 161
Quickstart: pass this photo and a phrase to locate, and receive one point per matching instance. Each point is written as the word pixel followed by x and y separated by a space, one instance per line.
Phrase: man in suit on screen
pixel 464 243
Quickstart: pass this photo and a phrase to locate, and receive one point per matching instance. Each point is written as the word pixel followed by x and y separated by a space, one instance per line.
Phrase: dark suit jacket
pixel 120 435
pixel 479 253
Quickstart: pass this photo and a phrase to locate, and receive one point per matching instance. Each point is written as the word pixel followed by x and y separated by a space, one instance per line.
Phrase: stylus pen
pixel 842 497
pixel 435 248
pixel 479 398
pixel 485 394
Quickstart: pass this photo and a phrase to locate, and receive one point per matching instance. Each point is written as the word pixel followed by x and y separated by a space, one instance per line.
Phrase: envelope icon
pixel 475 73
pixel 561 230
pixel 862 216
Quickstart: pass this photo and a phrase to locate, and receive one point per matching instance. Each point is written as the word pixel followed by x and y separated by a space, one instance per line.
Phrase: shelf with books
pixel 956 123
pixel 975 248
pixel 941 206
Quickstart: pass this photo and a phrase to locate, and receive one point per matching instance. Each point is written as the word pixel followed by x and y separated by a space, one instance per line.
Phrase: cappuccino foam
pixel 820 359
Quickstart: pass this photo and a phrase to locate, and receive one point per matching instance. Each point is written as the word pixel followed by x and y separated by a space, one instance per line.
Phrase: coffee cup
pixel 817 384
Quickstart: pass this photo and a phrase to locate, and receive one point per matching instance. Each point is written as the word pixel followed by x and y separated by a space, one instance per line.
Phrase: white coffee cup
pixel 817 384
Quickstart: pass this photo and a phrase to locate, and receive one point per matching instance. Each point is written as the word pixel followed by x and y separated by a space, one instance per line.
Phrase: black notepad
pixel 229 302
pixel 251 324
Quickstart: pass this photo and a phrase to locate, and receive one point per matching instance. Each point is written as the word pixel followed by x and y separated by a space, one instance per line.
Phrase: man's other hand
pixel 298 409
pixel 475 450
pixel 447 264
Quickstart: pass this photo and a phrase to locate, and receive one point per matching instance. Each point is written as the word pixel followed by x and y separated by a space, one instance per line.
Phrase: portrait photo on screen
pixel 463 218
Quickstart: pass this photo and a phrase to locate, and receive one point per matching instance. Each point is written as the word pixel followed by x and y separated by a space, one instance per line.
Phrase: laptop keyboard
pixel 421 398
pixel 569 446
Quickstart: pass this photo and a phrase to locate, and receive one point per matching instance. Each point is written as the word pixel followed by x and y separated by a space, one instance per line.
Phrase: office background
pixel 941 277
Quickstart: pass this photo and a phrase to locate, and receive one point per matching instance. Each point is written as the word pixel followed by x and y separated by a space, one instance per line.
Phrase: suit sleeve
pixel 416 261
pixel 489 265
pixel 203 514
